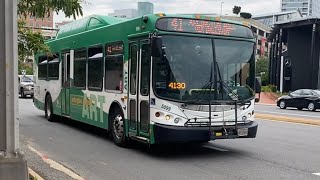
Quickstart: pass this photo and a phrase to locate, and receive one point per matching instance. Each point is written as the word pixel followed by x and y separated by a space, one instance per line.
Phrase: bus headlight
pixel 176 120
pixel 167 117
pixel 249 115
pixel 244 118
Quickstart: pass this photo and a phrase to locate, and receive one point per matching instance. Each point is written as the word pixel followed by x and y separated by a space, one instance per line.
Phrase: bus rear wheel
pixel 118 128
pixel 48 109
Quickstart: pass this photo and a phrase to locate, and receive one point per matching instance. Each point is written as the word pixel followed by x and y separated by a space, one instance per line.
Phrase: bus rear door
pixel 66 83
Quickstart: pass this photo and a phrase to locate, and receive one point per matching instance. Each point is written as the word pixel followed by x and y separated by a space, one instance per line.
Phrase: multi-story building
pixel 145 8
pixel 261 32
pixel 272 18
pixel 124 13
pixel 46 22
pixel 42 25
pixel 307 7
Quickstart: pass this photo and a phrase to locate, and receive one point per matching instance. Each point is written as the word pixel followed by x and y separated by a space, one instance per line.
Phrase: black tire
pixel 22 93
pixel 311 106
pixel 48 109
pixel 282 104
pixel 118 128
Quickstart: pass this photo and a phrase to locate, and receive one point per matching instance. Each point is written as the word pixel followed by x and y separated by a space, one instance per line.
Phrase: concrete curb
pixel 266 104
pixel 34 175
pixel 288 119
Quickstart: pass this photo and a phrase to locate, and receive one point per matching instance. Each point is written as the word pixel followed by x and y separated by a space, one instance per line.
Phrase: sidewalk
pixel 268 98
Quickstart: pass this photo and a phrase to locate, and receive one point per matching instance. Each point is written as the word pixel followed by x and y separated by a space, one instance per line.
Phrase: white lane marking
pixel 288 122
pixel 56 165
pixel 210 146
pixel 317 174
pixel 290 114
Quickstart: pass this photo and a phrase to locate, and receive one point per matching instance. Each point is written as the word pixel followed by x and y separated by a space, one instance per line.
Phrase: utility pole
pixel 12 164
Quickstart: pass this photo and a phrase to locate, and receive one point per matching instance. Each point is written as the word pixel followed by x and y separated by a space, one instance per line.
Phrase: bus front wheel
pixel 118 128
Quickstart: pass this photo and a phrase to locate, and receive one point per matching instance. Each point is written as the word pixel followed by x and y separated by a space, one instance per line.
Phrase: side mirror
pixel 256 99
pixel 156 46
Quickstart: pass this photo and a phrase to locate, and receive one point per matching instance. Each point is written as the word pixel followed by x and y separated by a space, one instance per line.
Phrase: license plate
pixel 243 132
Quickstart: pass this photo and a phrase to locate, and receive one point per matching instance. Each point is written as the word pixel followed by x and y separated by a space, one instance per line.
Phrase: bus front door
pixel 65 93
pixel 139 90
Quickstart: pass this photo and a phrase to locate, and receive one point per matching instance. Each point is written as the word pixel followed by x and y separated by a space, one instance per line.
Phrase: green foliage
pixel 25 66
pixel 262 70
pixel 269 88
pixel 30 41
pixel 41 8
pixel 246 15
pixel 236 10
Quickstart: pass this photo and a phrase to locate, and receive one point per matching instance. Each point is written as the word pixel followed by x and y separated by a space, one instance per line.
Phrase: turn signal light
pixel 157 114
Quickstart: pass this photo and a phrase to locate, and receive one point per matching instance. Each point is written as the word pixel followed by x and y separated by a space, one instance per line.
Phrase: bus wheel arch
pixel 117 124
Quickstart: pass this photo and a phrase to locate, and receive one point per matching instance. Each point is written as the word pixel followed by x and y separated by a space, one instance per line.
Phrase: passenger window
pixel 53 66
pixel 95 68
pixel 306 92
pixel 296 93
pixel 133 69
pixel 145 69
pixel 42 67
pixel 114 67
pixel 80 68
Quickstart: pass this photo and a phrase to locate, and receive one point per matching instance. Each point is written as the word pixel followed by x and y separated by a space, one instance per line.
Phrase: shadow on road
pixel 170 151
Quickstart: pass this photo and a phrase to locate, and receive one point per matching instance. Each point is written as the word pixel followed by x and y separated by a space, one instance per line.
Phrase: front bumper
pixel 28 92
pixel 173 134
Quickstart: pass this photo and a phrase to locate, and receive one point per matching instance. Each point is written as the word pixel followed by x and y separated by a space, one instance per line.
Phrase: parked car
pixel 26 85
pixel 301 98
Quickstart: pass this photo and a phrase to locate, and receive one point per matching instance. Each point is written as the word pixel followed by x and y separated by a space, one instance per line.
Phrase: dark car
pixel 301 98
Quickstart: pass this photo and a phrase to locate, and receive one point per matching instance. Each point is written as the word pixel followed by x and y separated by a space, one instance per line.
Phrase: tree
pixel 262 69
pixel 236 10
pixel 246 15
pixel 30 41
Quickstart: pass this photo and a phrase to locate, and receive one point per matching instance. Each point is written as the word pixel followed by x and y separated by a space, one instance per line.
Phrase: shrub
pixel 269 88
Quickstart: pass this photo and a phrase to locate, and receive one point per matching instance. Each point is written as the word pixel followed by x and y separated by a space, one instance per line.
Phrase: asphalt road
pixel 289 112
pixel 280 151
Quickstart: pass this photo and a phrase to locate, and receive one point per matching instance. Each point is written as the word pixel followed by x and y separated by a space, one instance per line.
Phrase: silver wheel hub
pixel 311 106
pixel 118 126
pixel 282 104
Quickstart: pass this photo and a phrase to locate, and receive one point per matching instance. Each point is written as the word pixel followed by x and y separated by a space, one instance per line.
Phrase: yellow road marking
pixel 56 165
pixel 288 119
pixel 34 174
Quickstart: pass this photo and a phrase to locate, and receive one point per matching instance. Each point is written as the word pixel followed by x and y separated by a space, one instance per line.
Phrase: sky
pixel 104 7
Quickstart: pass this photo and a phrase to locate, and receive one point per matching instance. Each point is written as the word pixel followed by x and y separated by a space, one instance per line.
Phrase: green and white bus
pixel 154 79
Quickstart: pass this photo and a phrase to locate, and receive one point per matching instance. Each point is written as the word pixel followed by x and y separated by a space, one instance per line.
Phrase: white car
pixel 26 85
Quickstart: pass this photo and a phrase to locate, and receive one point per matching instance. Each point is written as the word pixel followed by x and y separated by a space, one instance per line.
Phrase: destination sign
pixel 115 48
pixel 203 27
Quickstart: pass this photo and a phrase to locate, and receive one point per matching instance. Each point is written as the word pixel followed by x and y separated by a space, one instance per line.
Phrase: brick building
pixel 46 22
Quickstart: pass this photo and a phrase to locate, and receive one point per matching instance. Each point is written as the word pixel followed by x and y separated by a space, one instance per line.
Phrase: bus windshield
pixel 189 65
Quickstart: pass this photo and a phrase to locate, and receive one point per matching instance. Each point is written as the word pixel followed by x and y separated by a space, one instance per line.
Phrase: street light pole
pixel 221 9
pixel 12 164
